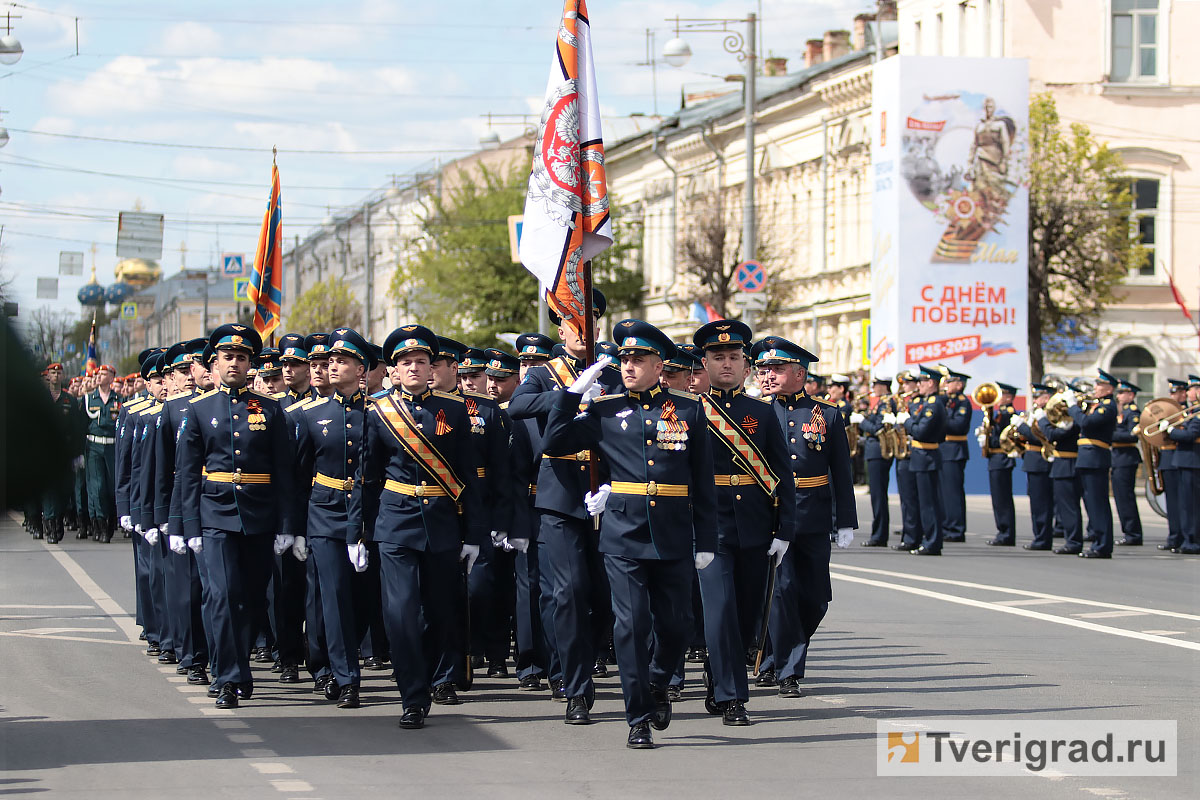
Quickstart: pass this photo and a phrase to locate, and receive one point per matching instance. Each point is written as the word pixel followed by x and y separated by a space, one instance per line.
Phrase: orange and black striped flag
pixel 266 282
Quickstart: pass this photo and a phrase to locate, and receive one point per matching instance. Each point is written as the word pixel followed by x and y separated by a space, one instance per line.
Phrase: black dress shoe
pixel 375 663
pixel 245 690
pixel 1089 538
pixel 1094 554
pixel 577 712
pixel 322 682
pixel 557 692
pixel 228 696
pixel 412 719
pixel 154 649
pixel 263 656
pixel 1164 547
pixel 697 655
pixel 167 657
pixel 925 551
pixel 599 669
pixel 867 543
pixel 182 670
pixel 478 662
pixel 530 683
pixel 289 673
pixel 1036 546
pixel 675 693
pixel 1067 551
pixel 213 689
pixel 348 698
pixel 497 671
pixel 954 538
pixel 1188 550
pixel 734 713
pixel 767 678
pixel 662 708
pixel 1127 542
pixel 332 690
pixel 901 547
pixel 197 676
pixel 790 687
pixel 1001 543
pixel 640 738
pixel 444 695
pixel 142 635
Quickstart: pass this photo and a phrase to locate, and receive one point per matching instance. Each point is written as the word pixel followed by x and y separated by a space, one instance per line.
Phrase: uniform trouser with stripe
pixel 878 479
pixel 729 587
pixel 368 608
pixel 929 509
pixel 800 602
pixel 910 505
pixel 420 594
pixel 1004 512
pixel 954 498
pixel 101 480
pixel 332 628
pixel 652 612
pixel 1171 486
pixel 545 576
pixel 238 567
pixel 533 655
pixel 165 621
pixel 1094 488
pixel 286 606
pixel 1040 489
pixel 1066 511
pixel 1124 483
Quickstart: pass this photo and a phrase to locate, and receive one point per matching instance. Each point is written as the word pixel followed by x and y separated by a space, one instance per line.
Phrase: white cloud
pixel 192 39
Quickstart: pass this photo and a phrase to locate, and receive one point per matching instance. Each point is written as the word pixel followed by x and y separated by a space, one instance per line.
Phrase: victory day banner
pixel 950 209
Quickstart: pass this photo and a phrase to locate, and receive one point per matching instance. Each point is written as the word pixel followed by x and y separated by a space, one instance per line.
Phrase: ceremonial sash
pixel 561 371
pixel 400 423
pixel 745 452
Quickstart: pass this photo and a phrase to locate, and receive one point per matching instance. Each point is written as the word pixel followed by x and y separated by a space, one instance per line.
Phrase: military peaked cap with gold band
pixel 500 364
pixel 883 380
pixel 1176 385
pixel 1106 377
pixel 407 338
pixel 291 348
pixel 777 350
pixel 1127 386
pixel 236 336
pixel 178 356
pixel 925 373
pixel 1193 380
pixel 473 360
pixel 268 362
pixel 635 336
pixel 599 304
pixel 696 354
pixel 611 350
pixel 317 345
pixel 723 333
pixel 905 375
pixel 1007 387
pixel 680 361
pixel 952 375
pixel 534 346
pixel 195 347
pixel 449 349
pixel 1041 388
pixel 350 342
pixel 207 356
pixel 153 366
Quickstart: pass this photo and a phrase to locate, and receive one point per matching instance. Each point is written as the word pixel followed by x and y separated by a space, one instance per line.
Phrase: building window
pixel 1137 365
pixel 917 37
pixel 939 33
pixel 1134 40
pixel 1143 223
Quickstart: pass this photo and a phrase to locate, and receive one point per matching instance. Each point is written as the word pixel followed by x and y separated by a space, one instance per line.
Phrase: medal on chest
pixel 672 431
pixel 814 430
pixel 477 424
pixel 254 415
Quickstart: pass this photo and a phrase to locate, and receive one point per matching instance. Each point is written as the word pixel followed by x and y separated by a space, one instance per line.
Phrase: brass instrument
pixel 1011 441
pixel 1157 415
pixel 986 396
pixel 887 433
pixel 853 434
pixel 901 446
pixel 1056 408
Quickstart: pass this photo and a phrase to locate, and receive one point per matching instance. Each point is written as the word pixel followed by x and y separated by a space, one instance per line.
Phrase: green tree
pixel 463 283
pixel 1080 245
pixel 325 306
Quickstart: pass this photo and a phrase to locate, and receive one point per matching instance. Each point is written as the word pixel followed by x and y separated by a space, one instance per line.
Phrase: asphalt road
pixel 981 633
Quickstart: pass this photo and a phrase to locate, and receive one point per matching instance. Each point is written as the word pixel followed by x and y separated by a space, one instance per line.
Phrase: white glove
pixel 1039 414
pixel 520 545
pixel 856 418
pixel 177 544
pixel 196 543
pixel 469 553
pixel 595 502
pixel 137 528
pixel 1170 427
pixel 589 376
pixel 151 536
pixel 844 537
pixel 499 538
pixel 126 522
pixel 982 441
pixel 163 528
pixel 300 549
pixel 282 542
pixel 1070 397
pixel 591 393
pixel 704 559
pixel 78 463
pixel 889 419
pixel 778 550
pixel 358 556
pixel 901 418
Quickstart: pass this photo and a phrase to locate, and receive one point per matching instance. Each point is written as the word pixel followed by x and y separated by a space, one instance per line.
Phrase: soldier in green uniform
pixel 101 408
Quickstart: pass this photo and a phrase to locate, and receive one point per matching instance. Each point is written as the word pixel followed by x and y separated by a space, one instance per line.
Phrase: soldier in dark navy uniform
pixel 1065 442
pixel 1186 461
pixel 820 466
pixel 56 499
pixel 659 515
pixel 234 465
pixel 418 482
pixel 568 554
pixel 906 482
pixel 1096 427
pixel 160 627
pixel 293 359
pixel 1126 457
pixel 1000 467
pixel 677 370
pixel 1177 391
pixel 925 423
pixel 953 456
pixel 756 512
pixel 317 345
pixel 1038 483
pixel 873 426
pixel 472 369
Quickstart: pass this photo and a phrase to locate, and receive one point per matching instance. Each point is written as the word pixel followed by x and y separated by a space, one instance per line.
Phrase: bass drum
pixel 1158 502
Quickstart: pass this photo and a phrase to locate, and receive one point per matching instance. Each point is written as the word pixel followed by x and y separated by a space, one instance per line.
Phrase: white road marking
pixel 1029 601
pixel 83 606
pixel 1165 633
pixel 1021 612
pixel 56 631
pixel 67 638
pixel 273 768
pixel 216 712
pixel 292 786
pixel 189 689
pixel 1022 592
pixel 244 738
pixel 230 723
pixel 199 700
pixel 1110 614
pixel 92 589
pixel 262 752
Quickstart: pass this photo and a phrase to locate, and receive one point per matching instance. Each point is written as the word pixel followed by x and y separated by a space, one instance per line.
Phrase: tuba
pixel 985 396
pixel 1152 430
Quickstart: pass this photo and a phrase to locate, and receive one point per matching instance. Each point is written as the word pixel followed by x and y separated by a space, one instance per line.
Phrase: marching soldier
pixel 1126 456
pixel 102 408
pixel 160 628
pixel 56 500
pixel 1000 468
pixel 293 359
pixel 677 370
pixel 1065 441
pixel 233 466
pixel 756 511
pixel 659 515
pixel 471 370
pixel 814 386
pixel 1170 474
pixel 873 426
pixel 270 371
pixel 925 423
pixel 1186 436
pixel 1095 458
pixel 953 455
pixel 418 471
pixel 317 345
pixel 906 483
pixel 1038 483
pixel 819 455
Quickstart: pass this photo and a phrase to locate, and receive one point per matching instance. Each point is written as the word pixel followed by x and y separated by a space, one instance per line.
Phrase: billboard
pixel 950 209
pixel 139 235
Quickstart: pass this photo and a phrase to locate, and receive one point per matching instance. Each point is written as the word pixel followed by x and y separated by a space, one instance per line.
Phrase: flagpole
pixel 589 344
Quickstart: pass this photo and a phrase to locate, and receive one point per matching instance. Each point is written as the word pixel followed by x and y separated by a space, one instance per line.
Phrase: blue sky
pixel 387 86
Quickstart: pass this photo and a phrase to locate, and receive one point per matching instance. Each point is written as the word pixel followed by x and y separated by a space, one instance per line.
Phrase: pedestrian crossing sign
pixel 128 310
pixel 241 290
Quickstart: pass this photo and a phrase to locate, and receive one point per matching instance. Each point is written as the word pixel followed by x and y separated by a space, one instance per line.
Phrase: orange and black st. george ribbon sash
pixel 400 423
pixel 745 452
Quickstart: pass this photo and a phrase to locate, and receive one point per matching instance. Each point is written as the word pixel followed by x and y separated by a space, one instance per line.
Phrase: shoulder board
pixel 609 397
pixel 263 395
pixel 137 405
pixel 307 404
pixel 504 405
pixel 448 396
pixel 478 395
pixel 200 397
pixel 381 393
pixel 686 395
pixel 179 395
pixel 279 395
pixel 764 400
pixel 824 402
pixel 152 410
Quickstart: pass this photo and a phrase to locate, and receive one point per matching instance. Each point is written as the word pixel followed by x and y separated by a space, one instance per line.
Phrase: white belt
pixel 101 439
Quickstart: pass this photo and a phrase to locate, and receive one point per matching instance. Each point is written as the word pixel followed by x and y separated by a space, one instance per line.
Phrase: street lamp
pixel 10 46
pixel 677 52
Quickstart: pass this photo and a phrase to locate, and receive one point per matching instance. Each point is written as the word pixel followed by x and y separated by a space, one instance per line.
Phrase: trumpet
pixel 986 395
